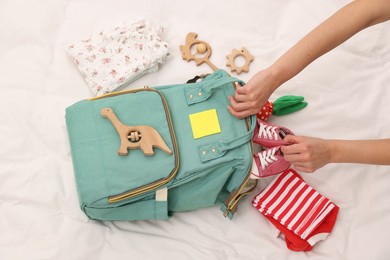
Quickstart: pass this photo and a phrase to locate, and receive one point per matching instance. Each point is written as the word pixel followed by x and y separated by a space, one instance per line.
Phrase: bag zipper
pixel 246 187
pixel 154 185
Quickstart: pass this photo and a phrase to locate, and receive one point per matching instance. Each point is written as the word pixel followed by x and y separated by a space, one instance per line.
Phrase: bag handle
pixel 220 148
pixel 201 91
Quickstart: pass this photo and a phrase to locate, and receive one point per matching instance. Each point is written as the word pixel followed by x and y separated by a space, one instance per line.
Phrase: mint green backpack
pixel 151 152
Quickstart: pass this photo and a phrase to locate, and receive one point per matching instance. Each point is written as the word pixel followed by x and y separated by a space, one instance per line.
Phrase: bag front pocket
pixel 129 147
pixel 151 158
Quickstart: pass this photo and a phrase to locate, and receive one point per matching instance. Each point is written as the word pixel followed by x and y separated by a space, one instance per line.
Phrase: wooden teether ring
pixel 202 47
pixel 235 53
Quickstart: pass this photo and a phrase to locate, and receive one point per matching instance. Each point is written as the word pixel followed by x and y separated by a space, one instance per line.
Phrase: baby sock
pixel 302 214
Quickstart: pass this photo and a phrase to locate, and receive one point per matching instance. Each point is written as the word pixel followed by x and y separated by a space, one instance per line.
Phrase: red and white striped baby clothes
pixel 297 207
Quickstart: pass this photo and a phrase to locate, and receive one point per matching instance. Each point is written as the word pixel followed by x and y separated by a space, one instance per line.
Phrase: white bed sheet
pixel 347 90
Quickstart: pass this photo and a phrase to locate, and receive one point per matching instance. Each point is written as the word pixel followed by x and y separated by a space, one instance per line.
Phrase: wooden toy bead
pixel 201 48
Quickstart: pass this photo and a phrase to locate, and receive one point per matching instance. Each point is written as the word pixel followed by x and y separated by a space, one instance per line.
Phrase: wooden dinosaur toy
pixel 134 137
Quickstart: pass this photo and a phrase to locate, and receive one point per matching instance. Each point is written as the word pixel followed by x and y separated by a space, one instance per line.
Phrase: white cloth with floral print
pixel 109 60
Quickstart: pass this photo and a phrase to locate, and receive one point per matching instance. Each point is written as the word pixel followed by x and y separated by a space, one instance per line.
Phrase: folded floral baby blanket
pixel 109 60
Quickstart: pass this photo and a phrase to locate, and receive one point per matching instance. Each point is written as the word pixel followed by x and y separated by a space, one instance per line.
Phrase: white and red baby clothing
pixel 297 210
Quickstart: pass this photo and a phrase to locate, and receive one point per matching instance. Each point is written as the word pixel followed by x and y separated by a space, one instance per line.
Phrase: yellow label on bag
pixel 205 123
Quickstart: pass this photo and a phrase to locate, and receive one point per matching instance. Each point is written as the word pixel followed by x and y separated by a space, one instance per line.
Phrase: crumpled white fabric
pixel 109 60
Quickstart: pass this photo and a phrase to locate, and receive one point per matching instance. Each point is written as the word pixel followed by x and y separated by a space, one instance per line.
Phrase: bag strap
pixel 218 149
pixel 201 91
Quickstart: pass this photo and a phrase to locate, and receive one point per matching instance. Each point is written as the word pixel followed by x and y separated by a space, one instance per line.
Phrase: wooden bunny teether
pixel 202 48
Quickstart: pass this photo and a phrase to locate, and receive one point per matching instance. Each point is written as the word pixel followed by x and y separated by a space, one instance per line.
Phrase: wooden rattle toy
pixel 134 137
pixel 202 48
pixel 235 53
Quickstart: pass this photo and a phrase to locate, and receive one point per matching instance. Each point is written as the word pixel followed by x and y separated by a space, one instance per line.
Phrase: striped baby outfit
pixel 297 209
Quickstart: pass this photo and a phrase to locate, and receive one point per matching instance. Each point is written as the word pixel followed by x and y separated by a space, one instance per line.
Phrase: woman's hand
pixel 249 99
pixel 307 154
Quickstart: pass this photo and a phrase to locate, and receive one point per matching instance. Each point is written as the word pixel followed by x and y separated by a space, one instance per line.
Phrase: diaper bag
pixel 150 152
